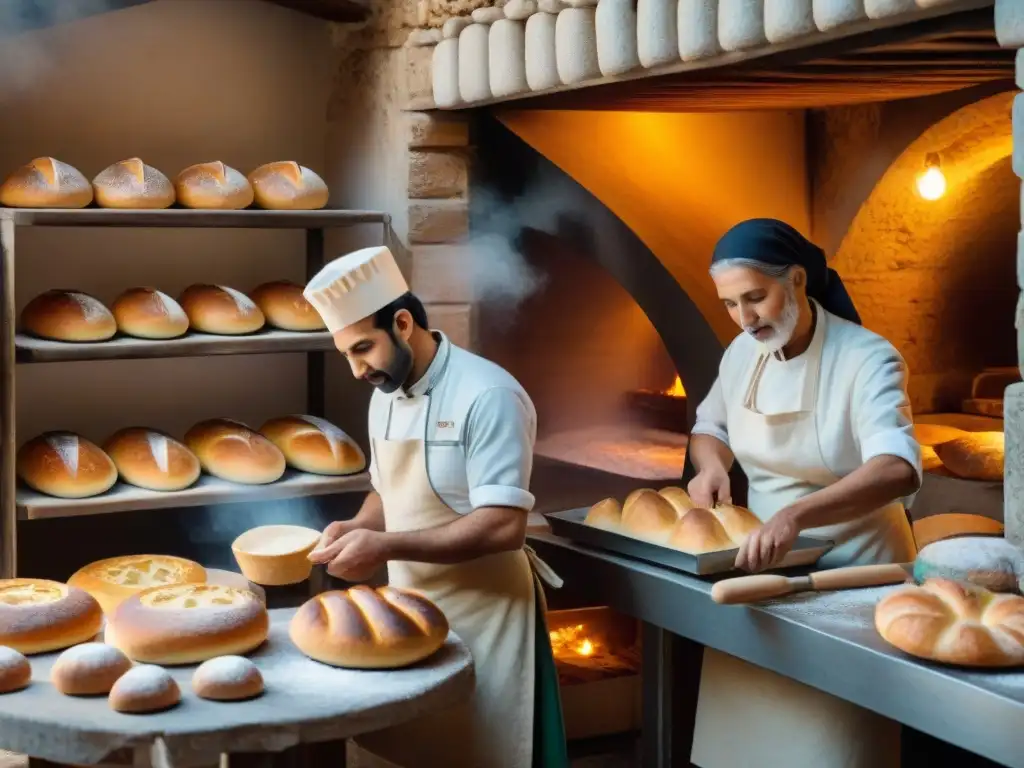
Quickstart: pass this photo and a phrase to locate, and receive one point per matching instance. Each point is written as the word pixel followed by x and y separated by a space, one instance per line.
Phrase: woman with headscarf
pixel 814 409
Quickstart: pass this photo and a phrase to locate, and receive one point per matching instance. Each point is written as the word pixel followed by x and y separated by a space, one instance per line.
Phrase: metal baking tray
pixel 570 525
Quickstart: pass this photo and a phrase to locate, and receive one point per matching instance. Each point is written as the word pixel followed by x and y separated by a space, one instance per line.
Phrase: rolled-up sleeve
pixel 882 419
pixel 500 435
pixel 711 415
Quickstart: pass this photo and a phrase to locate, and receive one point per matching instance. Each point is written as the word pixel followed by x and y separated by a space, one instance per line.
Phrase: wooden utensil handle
pixel 750 589
pixel 859 576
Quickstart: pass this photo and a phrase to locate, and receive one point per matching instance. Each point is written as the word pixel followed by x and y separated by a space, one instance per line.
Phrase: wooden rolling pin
pixel 750 589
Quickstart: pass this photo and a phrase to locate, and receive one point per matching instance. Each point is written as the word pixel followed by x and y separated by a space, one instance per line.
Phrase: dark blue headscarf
pixel 775 243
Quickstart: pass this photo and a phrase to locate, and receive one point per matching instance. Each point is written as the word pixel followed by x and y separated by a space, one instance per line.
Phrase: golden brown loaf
pixel 88 669
pixel 114 579
pixel 976 456
pixel 231 451
pixel 213 186
pixel 952 623
pixel 38 616
pixel 738 522
pixel 147 313
pixel 15 671
pixel 679 499
pixel 153 460
pixel 286 185
pixel 46 183
pixel 284 306
pixel 699 532
pixel 65 465
pixel 227 678
pixel 930 460
pixel 221 310
pixel 312 444
pixel 648 515
pixel 132 184
pixel 142 689
pixel 606 514
pixel 365 628
pixel 188 623
pixel 67 315
pixel 936 434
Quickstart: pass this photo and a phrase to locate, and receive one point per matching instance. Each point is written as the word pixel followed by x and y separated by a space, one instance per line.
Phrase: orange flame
pixel 676 390
pixel 572 641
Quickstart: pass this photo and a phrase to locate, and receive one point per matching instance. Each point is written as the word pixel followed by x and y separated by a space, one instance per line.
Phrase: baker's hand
pixel 765 547
pixel 355 556
pixel 709 487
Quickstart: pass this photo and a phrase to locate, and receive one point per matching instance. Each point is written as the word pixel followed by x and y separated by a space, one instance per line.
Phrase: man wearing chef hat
pixel 452 441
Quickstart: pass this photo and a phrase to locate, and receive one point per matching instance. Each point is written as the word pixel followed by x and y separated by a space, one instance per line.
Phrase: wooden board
pixel 253 218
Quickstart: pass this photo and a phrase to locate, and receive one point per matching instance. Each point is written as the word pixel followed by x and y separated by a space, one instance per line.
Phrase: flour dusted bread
pixel 365 628
pixel 975 456
pixel 284 307
pixel 232 451
pixel 227 678
pixel 143 689
pixel 114 579
pixel 606 514
pixel 132 184
pixel 15 670
pixel 88 669
pixel 147 458
pixel 312 444
pixel 213 186
pixel 286 185
pixel 221 310
pixel 38 616
pixel 62 314
pixel 46 183
pixel 646 514
pixel 65 465
pixel 188 623
pixel 147 313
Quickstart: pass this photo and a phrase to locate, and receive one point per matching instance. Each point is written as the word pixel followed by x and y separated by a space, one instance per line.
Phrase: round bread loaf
pixel 648 515
pixel 213 186
pixel 699 532
pixel 150 459
pixel 227 678
pixel 147 313
pixel 976 456
pixel 312 444
pixel 946 621
pixel 88 669
pixel 679 499
pixel 288 186
pixel 738 522
pixel 65 465
pixel 989 562
pixel 284 306
pixel 231 451
pixel 66 315
pixel 46 183
pixel 15 671
pixel 115 579
pixel 221 310
pixel 606 514
pixel 930 461
pixel 936 434
pixel 132 184
pixel 189 623
pixel 142 689
pixel 38 616
pixel 366 628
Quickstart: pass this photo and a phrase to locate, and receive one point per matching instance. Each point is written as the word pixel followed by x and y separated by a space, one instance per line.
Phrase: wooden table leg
pixel 324 754
pixel 670 681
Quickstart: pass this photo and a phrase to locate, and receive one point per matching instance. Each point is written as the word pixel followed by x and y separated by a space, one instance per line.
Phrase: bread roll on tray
pixel 38 616
pixel 132 184
pixel 679 499
pixel 88 669
pixel 231 451
pixel 312 444
pixel 227 678
pixel 147 458
pixel 62 314
pixel 15 670
pixel 606 514
pixel 147 313
pixel 213 186
pixel 114 579
pixel 143 689
pixel 648 515
pixel 65 465
pixel 936 434
pixel 284 306
pixel 288 186
pixel 975 456
pixel 221 310
pixel 46 183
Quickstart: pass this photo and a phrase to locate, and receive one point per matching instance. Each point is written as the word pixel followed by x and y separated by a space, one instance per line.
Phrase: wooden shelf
pixel 207 491
pixel 32 350
pixel 252 218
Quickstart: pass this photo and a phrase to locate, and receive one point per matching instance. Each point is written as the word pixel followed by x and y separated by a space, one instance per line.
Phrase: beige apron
pixel 490 604
pixel 747 715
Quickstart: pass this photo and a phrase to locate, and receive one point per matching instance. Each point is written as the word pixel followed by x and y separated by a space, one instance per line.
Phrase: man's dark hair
pixel 384 317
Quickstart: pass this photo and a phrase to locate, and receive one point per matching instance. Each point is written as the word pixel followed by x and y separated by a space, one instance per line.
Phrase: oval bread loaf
pixel 936 434
pixel 46 183
pixel 311 444
pixel 147 458
pixel 975 456
pixel 67 315
pixel 286 185
pixel 221 310
pixel 114 579
pixel 147 313
pixel 214 186
pixel 132 184
pixel 38 615
pixel 65 465
pixel 231 451
pixel 284 306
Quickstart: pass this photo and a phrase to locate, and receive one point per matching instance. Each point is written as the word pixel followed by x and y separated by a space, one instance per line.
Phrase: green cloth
pixel 549 747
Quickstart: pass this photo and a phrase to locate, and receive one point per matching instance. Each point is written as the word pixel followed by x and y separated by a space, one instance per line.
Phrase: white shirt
pixel 480 435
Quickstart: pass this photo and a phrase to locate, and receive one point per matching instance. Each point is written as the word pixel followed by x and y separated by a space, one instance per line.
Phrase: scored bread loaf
pixel 365 628
pixel 699 532
pixel 647 514
pixel 15 670
pixel 221 310
pixel 61 314
pixel 38 615
pixel 88 669
pixel 46 183
pixel 112 580
pixel 606 514
pixel 286 185
pixel 147 313
pixel 679 499
pixel 132 184
pixel 232 451
pixel 312 444
pixel 284 306
pixel 975 456
pixel 213 186
pixel 65 465
pixel 150 459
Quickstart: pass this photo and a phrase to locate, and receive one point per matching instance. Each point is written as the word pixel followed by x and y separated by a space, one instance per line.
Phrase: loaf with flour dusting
pixel 227 678
pixel 46 183
pixel 221 310
pixel 312 444
pixel 286 185
pixel 114 579
pixel 213 186
pixel 62 314
pixel 38 615
pixel 232 451
pixel 15 670
pixel 147 313
pixel 143 689
pixel 88 669
pixel 65 465
pixel 150 459
pixel 132 184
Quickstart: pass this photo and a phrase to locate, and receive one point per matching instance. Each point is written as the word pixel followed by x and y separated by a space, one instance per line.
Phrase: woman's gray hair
pixel 776 271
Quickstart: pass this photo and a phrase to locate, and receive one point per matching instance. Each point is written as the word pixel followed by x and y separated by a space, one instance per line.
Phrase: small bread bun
pixel 606 514
pixel 213 186
pixel 114 579
pixel 366 628
pixel 132 184
pixel 46 183
pixel 312 444
pixel 221 310
pixel 66 315
pixel 738 522
pixel 231 451
pixel 227 678
pixel 648 515
pixel 189 623
pixel 65 465
pixel 975 456
pixel 38 616
pixel 284 306
pixel 152 460
pixel 88 669
pixel 147 313
pixel 699 532
pixel 679 499
pixel 288 186
pixel 15 671
pixel 142 689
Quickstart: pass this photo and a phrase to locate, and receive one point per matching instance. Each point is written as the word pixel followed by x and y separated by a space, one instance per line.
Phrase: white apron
pixel 747 715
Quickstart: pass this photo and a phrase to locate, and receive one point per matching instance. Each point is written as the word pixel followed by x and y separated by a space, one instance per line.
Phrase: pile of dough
pixel 132 184
pixel 88 669
pixel 288 186
pixel 950 622
pixel 221 310
pixel 284 306
pixel 114 579
pixel 227 678
pixel 231 451
pixel 153 460
pixel 147 313
pixel 213 186
pixel 142 689
pixel 366 628
pixel 15 671
pixel 65 465
pixel 975 456
pixel 66 315
pixel 37 615
pixel 46 183
pixel 312 444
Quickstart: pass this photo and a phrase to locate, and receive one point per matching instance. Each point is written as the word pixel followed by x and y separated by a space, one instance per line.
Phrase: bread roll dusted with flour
pixel 288 186
pixel 231 451
pixel 142 689
pixel 284 306
pixel 132 184
pixel 221 310
pixel 38 616
pixel 46 183
pixel 312 444
pixel 65 465
pixel 112 580
pixel 227 678
pixel 152 460
pixel 88 669
pixel 147 313
pixel 213 186
pixel 15 670
pixel 62 314
pixel 648 515
pixel 975 456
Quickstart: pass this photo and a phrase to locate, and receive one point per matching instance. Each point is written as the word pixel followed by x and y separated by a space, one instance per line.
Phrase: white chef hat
pixel 353 287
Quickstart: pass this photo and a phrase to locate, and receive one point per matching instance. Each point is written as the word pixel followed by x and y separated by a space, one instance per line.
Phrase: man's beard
pixel 783 328
pixel 390 378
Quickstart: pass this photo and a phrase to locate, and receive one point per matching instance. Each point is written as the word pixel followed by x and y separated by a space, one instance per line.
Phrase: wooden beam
pixel 343 11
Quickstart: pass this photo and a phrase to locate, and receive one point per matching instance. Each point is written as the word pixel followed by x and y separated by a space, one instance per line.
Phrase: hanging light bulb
pixel 931 183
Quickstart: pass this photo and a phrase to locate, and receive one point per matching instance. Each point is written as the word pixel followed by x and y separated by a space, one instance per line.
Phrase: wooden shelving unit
pixel 18 503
